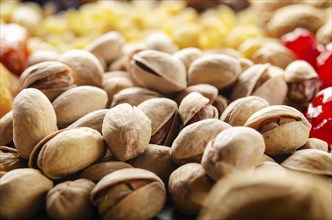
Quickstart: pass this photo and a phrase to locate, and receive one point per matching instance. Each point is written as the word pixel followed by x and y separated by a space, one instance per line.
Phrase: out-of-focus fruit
pixel 324 66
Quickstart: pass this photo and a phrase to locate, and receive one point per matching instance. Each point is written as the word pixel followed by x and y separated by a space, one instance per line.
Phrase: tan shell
pixel 14 186
pixel 6 128
pixel 33 119
pixel 238 111
pixel 206 90
pixel 158 71
pixel 42 55
pixel 127 131
pixel 271 167
pixel 219 70
pixel 324 33
pixel 188 55
pixel 286 128
pixel 161 42
pixel 10 159
pixel 77 102
pixel 189 185
pixel 190 144
pixel 245 63
pixel 70 200
pixel 310 161
pixel 50 77
pixel 220 103
pixel 299 70
pixel 87 69
pixel 234 150
pixel 315 143
pixel 319 4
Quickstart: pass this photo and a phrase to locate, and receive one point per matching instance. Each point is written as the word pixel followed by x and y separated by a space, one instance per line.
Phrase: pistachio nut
pixel 10 159
pixel 266 158
pixel 42 55
pixel 50 77
pixel 284 128
pixel 69 106
pixel 14 186
pixel 127 131
pixel 190 143
pixel 33 119
pixel 245 63
pixel 206 90
pixel 315 143
pixel 188 55
pixel 220 103
pixel 158 71
pixel 127 194
pixel 70 200
pixel 324 33
pixel 6 128
pixel 189 185
pixel 160 42
pixel 238 111
pixel 237 149
pixel 271 166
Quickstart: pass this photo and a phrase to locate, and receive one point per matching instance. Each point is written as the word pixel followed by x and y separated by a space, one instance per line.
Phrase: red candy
pixel 324 66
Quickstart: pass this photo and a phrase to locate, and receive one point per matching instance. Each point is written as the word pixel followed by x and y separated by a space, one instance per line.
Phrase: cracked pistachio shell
pixel 189 185
pixel 87 69
pixel 161 42
pixel 23 193
pixel 190 144
pixel 206 90
pixel 315 143
pixel 50 77
pixel 238 111
pixel 77 102
pixel 195 107
pixel 188 55
pixel 284 128
pixel 6 128
pixel 10 159
pixel 165 121
pixel 70 200
pixel 158 71
pixel 127 131
pixel 310 161
pixel 269 195
pixel 33 119
pixel 127 194
pixel 219 70
pixel 237 149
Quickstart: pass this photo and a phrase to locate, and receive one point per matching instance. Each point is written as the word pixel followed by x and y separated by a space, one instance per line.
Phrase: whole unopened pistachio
pixel 127 131
pixel 42 55
pixel 6 128
pixel 161 42
pixel 33 119
pixel 284 128
pixel 70 200
pixel 189 185
pixel 190 144
pixel 188 55
pixel 234 150
pixel 10 159
pixel 238 111
pixel 77 102
pixel 315 143
pixel 206 90
pixel 158 71
pixel 25 183
pixel 127 194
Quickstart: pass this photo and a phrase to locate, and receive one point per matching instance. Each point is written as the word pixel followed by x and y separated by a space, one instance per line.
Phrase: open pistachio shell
pixel 10 159
pixel 206 90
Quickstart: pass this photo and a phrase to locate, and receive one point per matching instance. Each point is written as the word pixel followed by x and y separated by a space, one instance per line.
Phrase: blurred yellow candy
pixel 186 35
pixel 240 33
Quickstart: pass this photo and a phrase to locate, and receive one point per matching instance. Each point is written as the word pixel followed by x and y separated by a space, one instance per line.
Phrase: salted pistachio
pixel 67 151
pixel 25 183
pixel 225 51
pixel 10 159
pixel 70 200
pixel 270 166
pixel 302 84
pixel 315 143
pixel 87 69
pixel 77 102
pixel 284 128
pixel 324 33
pixel 275 54
pixel 127 131
pixel 156 159
pixel 42 55
pixel 188 186
pixel 219 70
pixel 237 149
pixel 188 55
pixel 206 90
pixel 266 158
pixel 6 128
pixel 190 143
pixel 97 171
pixel 238 111
pixel 107 46
pixel 165 120
pixel 127 194
pixel 310 161
pixel 123 62
pixel 161 42
pixel 33 119
pixel 261 80
pixel 269 195
pixel 158 71
pixel 288 18
pixel 195 107
pixel 220 103
pixel 245 63
pixel 50 77
pixel 133 96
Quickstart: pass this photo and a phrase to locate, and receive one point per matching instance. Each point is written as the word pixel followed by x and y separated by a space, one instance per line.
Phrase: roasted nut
pixel 266 158
pixel 70 200
pixel 158 71
pixel 324 33
pixel 315 143
pixel 33 119
pixel 123 63
pixel 127 131
pixel 220 103
pixel 10 159
pixel 127 194
pixel 43 55
pixel 190 144
pixel 14 186
pixel 284 128
pixel 189 185
pixel 161 42
pixel 188 55
pixel 234 150
pixel 245 63
pixel 6 128
pixel 206 90
pixel 238 111
pixel 270 166
pixel 69 106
